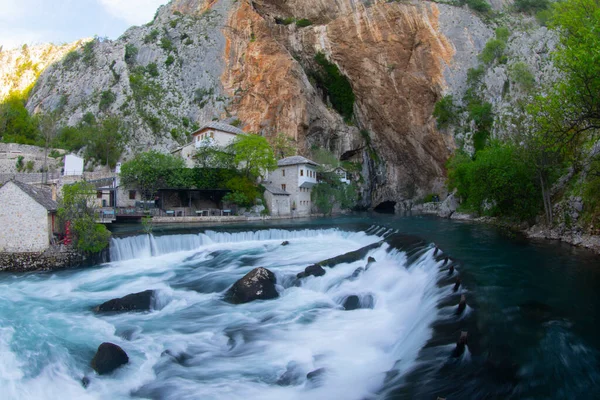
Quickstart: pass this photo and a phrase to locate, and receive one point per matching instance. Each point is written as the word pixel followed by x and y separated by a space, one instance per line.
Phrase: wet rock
pixel 462 305
pixel 258 284
pixel 108 358
pixel 354 302
pixel 357 272
pixel 133 302
pixel 178 358
pixel 436 251
pixel 315 375
pixel 313 270
pixel 292 375
pixel 285 243
pixel 371 260
pixel 349 257
pixel 456 285
pixel 460 345
pixel 451 270
pixel 85 382
pixel 351 303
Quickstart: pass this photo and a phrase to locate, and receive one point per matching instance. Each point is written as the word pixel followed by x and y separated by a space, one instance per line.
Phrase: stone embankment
pixel 50 260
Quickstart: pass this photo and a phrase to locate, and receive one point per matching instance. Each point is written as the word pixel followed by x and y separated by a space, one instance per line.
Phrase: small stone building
pixel 295 175
pixel 278 201
pixel 27 217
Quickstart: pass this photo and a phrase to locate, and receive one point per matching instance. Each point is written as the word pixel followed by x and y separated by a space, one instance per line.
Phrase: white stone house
pixel 27 217
pixel 295 175
pixel 215 134
pixel 277 201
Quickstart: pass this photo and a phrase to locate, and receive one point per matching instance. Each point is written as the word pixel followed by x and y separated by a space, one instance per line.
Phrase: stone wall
pixel 24 222
pixel 279 205
pixel 39 261
pixel 10 153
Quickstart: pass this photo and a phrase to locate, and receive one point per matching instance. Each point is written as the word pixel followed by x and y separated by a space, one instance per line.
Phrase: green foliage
pixel 324 157
pixel 531 6
pixel 166 44
pixel 479 5
pixel 336 85
pixel 285 21
pixel 70 59
pixel 243 191
pixel 106 99
pixel 152 70
pixel 16 124
pixel 88 52
pixel 253 155
pixel 29 166
pixel 131 53
pixel 283 145
pixel 303 23
pixel 445 112
pixel 107 143
pixel 169 61
pixel 77 206
pixel 493 50
pixel 212 156
pixel 331 191
pixel 150 171
pixel 520 73
pixel 498 182
pixel 147 225
pixel 19 164
pixel 152 36
pixel 502 33
pixel 143 89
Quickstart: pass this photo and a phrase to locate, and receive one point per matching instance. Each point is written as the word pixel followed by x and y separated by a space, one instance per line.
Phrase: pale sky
pixel 60 21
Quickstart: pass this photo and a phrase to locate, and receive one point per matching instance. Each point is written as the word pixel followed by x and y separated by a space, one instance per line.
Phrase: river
pixel 532 316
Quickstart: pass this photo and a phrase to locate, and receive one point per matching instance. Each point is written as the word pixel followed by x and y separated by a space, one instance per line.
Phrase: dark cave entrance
pixel 387 207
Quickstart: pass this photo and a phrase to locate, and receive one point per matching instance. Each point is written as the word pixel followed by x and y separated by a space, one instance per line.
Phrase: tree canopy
pixel 253 155
pixel 149 171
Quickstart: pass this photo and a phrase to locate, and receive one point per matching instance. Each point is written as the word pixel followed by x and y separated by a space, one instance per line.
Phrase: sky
pixel 64 21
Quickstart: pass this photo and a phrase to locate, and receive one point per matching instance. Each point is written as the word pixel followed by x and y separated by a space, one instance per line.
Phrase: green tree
pixel 107 141
pixel 210 155
pixel 445 112
pixel 253 155
pixel 149 171
pixel 77 207
pixel 283 145
pixel 16 124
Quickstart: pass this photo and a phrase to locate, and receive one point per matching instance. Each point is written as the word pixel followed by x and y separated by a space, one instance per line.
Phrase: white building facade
pixel 295 175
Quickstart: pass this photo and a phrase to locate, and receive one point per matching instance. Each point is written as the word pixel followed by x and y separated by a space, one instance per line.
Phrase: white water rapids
pixel 216 350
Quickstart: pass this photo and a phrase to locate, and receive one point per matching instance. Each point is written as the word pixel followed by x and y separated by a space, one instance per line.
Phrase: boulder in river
pixel 456 285
pixel 354 302
pixel 316 375
pixel 108 358
pixel 285 243
pixel 313 270
pixel 460 345
pixel 132 302
pixel 462 305
pixel 258 284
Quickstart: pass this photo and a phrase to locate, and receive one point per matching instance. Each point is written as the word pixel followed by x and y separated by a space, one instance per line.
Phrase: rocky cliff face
pixel 201 60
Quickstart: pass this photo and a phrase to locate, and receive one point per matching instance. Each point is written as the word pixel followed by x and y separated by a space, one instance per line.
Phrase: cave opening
pixel 387 207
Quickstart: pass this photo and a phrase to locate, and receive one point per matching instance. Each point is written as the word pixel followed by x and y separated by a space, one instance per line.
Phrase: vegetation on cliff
pixel 519 176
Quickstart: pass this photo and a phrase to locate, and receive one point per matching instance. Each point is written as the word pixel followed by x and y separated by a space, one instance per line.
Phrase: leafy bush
pixel 70 59
pixel 493 50
pixel 303 23
pixel 243 191
pixel 166 44
pixel 479 5
pixel 19 164
pixel 106 99
pixel 88 52
pixel 499 181
pixel 152 70
pixel 445 112
pixel 336 85
pixel 16 124
pixel 29 166
pixel 170 60
pixel 331 191
pixel 152 36
pixel 131 53
pixel 531 6
pixel 521 74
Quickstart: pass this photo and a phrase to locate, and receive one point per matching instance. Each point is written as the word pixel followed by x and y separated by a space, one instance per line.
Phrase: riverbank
pixel 574 236
pixel 52 259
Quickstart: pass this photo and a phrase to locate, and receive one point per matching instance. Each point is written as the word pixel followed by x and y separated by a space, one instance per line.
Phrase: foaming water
pixel 194 345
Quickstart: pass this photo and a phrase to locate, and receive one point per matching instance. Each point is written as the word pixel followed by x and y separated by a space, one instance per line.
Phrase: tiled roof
pixel 295 160
pixel 40 194
pixel 276 190
pixel 222 127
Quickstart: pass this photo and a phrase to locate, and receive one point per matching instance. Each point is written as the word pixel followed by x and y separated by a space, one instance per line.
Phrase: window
pixel 283 186
pixel 98 194
pixel 301 172
pixel 283 172
pixel 132 195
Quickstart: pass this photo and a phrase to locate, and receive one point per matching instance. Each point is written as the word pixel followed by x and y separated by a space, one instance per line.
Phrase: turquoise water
pixel 532 317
